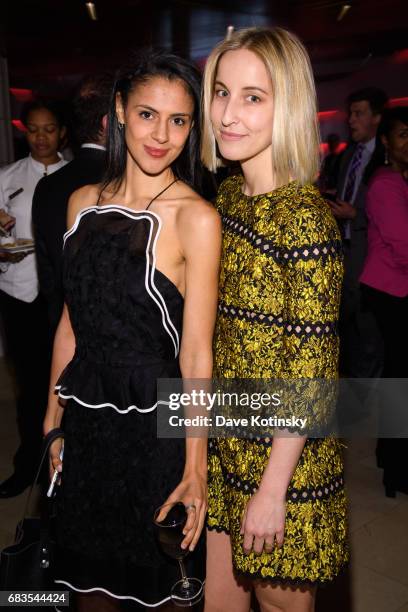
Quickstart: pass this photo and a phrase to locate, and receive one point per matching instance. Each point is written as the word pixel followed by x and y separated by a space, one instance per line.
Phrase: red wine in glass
pixel 170 532
pixel 187 591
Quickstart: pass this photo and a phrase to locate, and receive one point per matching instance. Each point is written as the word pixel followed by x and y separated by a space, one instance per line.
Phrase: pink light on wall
pixel 327 114
pixel 18 124
pixel 331 114
pixel 398 102
pixel 400 57
pixel 22 95
pixel 341 115
pixel 200 62
pixel 324 148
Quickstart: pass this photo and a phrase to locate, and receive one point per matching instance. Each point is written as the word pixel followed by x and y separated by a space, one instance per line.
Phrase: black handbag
pixel 27 564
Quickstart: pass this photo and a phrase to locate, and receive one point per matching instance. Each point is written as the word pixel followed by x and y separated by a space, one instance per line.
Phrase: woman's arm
pixel 63 351
pixel 264 518
pixel 312 298
pixel 200 235
pixel 387 208
pixel 64 348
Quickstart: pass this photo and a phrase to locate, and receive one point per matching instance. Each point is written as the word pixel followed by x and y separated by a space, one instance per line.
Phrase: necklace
pixel 161 192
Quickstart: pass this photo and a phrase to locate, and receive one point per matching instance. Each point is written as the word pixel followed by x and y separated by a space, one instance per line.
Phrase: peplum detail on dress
pixel 126 315
pixel 121 387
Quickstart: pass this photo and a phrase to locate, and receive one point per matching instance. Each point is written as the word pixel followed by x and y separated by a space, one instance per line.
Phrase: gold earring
pixel 386 158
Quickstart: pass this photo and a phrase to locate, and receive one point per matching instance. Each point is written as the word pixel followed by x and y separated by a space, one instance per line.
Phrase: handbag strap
pixel 51 436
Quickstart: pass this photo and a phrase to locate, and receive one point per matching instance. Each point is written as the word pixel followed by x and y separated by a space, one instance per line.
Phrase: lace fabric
pixel 127 319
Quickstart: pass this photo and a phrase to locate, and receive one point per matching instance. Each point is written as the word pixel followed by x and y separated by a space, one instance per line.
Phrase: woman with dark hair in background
pixel 21 307
pixel 385 275
pixel 140 277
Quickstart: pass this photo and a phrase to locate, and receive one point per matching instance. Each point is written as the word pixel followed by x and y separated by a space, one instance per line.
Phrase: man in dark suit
pixel 90 107
pixel 360 348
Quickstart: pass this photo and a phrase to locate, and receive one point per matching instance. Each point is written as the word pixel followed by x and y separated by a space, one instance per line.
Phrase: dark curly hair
pixel 52 107
pixel 390 117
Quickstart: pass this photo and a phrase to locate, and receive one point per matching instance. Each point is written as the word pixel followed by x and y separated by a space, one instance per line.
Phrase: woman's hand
pixel 55 463
pixel 64 348
pixel 192 491
pixel 55 449
pixel 263 523
pixel 6 220
pixel 264 517
pixel 12 257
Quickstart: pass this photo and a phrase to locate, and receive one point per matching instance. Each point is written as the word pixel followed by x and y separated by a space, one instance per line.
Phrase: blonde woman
pixel 276 520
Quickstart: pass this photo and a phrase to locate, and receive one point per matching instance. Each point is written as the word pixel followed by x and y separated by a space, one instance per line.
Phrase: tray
pixel 21 245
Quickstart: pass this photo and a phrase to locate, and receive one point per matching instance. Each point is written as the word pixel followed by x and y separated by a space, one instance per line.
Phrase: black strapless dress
pixel 127 319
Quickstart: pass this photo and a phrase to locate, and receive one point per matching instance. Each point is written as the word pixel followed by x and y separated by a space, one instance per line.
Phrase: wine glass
pixel 187 591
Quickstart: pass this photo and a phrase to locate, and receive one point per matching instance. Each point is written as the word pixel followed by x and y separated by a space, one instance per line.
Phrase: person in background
pixel 360 343
pixel 385 273
pixel 90 107
pixel 21 307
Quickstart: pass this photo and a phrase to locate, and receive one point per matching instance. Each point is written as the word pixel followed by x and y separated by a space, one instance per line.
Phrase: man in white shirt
pixel 360 347
pixel 21 309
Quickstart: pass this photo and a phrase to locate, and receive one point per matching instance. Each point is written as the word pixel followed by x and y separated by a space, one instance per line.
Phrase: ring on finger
pixel 189 506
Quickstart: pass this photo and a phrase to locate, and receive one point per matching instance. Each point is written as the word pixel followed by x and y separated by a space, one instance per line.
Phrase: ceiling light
pixel 343 11
pixel 229 32
pixel 91 8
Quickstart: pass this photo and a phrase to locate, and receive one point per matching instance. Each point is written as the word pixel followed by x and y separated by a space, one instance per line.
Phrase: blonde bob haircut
pixel 296 138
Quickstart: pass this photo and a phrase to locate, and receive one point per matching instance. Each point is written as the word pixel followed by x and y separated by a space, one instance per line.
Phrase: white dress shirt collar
pixel 370 145
pixel 41 168
pixel 92 145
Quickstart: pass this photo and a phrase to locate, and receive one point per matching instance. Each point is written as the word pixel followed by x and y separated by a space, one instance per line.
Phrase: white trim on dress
pixel 104 405
pixel 93 589
pixel 158 298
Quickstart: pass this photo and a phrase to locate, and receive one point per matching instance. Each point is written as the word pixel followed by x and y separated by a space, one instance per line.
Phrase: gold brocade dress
pixel 281 275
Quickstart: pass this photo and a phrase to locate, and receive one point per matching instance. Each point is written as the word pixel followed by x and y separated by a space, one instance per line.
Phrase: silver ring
pixel 190 506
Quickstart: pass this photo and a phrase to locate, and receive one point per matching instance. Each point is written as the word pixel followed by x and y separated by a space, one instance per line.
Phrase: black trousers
pixel 391 314
pixel 28 350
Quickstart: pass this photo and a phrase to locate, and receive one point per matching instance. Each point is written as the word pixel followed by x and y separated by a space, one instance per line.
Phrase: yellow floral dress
pixel 280 285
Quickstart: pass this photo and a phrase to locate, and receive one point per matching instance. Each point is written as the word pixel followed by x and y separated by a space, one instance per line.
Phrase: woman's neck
pixel 259 176
pixel 397 167
pixel 139 186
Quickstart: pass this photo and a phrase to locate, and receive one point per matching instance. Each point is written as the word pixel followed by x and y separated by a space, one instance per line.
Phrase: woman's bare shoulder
pixel 195 210
pixel 82 198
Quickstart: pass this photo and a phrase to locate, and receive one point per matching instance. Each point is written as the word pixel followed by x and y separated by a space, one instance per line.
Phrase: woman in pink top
pixel 385 274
